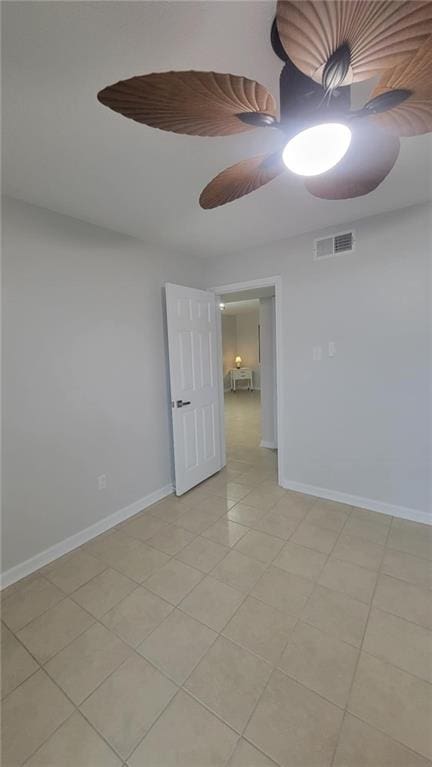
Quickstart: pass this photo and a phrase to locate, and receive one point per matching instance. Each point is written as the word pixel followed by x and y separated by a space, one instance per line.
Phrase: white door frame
pixel 236 287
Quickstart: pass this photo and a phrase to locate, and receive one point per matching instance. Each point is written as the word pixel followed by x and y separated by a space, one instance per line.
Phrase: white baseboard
pixel 364 503
pixel 271 445
pixel 68 544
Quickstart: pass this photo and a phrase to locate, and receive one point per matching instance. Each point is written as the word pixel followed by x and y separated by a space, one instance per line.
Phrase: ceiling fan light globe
pixel 315 150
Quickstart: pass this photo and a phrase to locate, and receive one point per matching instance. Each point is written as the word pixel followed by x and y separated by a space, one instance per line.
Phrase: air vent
pixel 343 243
pixel 336 245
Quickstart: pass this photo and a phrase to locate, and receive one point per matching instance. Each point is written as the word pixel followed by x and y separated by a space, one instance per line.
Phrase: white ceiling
pixel 242 307
pixel 246 295
pixel 65 151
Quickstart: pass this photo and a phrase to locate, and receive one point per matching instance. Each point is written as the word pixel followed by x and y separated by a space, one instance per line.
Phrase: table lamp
pixel 238 361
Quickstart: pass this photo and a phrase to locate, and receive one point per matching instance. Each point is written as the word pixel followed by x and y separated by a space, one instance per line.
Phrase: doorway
pixel 251 376
pixel 194 330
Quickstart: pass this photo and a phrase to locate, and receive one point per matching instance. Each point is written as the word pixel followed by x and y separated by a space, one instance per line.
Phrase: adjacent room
pixel 250 375
pixel 216 383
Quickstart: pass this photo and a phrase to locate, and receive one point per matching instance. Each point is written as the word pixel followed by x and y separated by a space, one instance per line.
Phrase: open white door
pixel 193 359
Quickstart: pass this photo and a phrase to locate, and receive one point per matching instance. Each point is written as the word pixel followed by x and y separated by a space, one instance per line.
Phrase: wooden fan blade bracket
pixel 337 68
pixel 386 101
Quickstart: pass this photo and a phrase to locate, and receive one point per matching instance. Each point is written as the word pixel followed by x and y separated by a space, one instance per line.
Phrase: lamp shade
pixel 238 361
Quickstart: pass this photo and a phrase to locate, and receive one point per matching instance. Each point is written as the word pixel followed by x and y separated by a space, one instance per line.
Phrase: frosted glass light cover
pixel 317 149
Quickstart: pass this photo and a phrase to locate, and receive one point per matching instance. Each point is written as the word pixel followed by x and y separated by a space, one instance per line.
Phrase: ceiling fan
pixel 326 47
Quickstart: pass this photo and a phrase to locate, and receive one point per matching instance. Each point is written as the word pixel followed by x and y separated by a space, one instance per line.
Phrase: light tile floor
pixel 240 625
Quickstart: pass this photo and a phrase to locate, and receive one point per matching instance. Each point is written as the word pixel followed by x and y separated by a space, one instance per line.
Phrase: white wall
pixel 247 343
pixel 229 345
pixel 85 375
pixel 240 336
pixel 268 372
pixel 357 424
pixel 85 370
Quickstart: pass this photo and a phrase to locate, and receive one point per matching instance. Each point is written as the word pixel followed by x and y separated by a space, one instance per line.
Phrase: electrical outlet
pixel 102 481
pixel 317 353
pixel 331 349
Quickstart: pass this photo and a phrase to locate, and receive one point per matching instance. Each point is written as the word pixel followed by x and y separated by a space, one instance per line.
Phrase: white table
pixel 241 374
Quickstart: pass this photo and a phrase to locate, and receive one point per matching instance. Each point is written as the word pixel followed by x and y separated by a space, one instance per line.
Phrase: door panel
pixel 187 382
pixel 209 435
pixel 190 440
pixel 205 357
pixel 192 341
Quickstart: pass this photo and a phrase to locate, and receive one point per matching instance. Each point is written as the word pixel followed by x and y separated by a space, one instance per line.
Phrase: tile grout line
pixel 188 692
pixel 218 634
pixel 76 707
pixel 30 756
pixel 359 649
pixel 73 704
pixel 98 619
pixel 62 599
pixel 134 652
pixel 267 567
pixel 283 651
pixel 393 740
pixel 119 528
pixel 346 710
pixel 273 666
